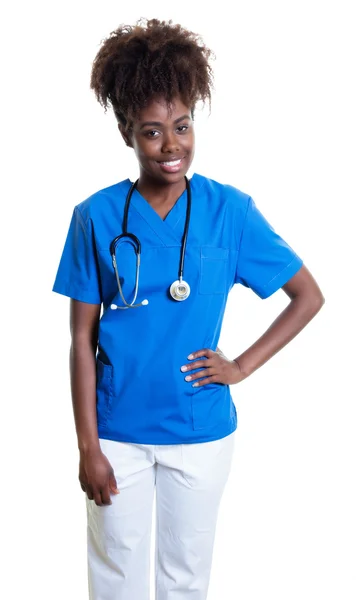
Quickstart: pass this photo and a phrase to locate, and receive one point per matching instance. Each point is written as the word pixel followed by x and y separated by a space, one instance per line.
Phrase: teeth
pixel 172 163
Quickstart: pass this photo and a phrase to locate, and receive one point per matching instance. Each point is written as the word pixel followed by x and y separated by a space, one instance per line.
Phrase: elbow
pixel 319 301
pixel 314 303
pixel 305 293
pixel 309 304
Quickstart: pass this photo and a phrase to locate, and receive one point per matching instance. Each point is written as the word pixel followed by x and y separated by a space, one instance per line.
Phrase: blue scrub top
pixel 142 396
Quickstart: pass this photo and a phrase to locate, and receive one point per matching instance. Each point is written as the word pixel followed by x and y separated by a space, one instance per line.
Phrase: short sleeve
pixel 265 261
pixel 78 273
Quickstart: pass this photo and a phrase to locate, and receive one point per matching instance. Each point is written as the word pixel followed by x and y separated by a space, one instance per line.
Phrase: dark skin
pixel 158 135
pixel 172 137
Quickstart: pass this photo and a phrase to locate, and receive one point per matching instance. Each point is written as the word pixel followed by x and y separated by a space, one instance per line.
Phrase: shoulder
pixel 102 201
pixel 223 194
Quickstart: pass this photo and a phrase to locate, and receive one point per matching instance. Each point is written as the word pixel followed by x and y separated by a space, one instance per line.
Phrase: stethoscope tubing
pixel 137 244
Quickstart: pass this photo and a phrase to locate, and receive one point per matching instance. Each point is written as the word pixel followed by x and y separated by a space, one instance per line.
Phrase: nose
pixel 170 143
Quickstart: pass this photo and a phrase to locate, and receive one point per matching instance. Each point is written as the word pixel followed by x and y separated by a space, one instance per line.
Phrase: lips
pixel 172 159
pixel 171 166
pixel 171 163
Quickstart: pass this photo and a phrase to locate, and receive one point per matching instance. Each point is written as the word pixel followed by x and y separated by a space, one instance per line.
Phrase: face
pixel 163 141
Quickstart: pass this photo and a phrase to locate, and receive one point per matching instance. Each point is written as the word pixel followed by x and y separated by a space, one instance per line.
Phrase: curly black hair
pixel 150 59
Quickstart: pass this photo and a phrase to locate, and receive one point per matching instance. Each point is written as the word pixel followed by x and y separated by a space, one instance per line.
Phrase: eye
pixel 182 128
pixel 151 134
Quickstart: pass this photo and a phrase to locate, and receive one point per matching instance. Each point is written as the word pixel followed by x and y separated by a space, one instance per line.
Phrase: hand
pixel 96 476
pixel 215 368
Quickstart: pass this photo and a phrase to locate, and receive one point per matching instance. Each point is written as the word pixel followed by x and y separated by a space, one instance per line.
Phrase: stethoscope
pixel 179 290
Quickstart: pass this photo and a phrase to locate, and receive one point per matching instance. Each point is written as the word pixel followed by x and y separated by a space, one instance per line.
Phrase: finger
pixel 90 492
pixel 205 352
pixel 105 495
pixel 97 498
pixel 196 365
pixel 204 381
pixel 199 375
pixel 113 485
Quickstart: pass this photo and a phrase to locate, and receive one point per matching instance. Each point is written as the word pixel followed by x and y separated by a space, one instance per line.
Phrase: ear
pixel 125 134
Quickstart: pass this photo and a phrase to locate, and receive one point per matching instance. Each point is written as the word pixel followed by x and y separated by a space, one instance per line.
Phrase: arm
pixel 84 320
pixel 306 300
pixel 96 474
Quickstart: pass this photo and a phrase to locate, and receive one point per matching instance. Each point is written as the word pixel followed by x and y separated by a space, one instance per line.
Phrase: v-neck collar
pixel 166 229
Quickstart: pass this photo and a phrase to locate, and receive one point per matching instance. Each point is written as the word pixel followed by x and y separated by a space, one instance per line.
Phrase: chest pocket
pixel 213 270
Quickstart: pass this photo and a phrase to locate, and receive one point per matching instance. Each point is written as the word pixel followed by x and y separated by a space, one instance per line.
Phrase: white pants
pixel 189 481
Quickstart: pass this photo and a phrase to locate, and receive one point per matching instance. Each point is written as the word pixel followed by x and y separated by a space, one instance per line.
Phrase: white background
pixel 282 129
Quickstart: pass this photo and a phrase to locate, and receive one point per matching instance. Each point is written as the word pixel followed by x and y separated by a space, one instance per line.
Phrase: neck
pixel 160 194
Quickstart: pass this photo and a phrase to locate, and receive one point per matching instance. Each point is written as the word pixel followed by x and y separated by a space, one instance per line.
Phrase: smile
pixel 171 166
pixel 172 163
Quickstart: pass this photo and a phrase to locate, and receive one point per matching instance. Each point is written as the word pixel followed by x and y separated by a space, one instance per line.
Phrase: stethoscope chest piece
pixel 179 290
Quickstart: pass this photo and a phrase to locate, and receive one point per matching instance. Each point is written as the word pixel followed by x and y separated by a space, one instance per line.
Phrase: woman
pixel 150 388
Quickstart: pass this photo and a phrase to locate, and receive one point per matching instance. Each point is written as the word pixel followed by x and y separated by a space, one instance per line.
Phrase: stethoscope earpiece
pixel 179 289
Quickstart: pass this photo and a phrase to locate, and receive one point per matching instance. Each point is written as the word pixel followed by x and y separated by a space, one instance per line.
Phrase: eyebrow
pixel 158 123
